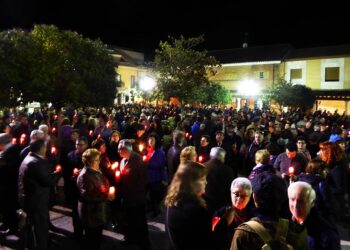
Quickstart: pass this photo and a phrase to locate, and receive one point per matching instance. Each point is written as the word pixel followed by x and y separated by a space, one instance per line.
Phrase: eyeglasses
pixel 238 195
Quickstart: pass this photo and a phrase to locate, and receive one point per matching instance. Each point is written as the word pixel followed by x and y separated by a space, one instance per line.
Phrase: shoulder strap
pixel 282 229
pixel 260 230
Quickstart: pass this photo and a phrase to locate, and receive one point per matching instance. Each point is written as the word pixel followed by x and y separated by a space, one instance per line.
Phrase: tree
pixel 182 71
pixel 61 67
pixel 218 94
pixel 287 94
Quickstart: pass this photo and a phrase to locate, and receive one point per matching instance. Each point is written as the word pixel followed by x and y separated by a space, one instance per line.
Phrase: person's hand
pixel 229 215
pixel 111 196
pixel 285 176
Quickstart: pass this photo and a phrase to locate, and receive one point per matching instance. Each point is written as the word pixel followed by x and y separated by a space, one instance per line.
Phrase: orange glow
pixel 117 175
pixel 200 158
pixel 58 168
pixel 91 133
pixel 141 147
pixel 75 171
pixel 53 130
pixel 115 165
pixel 53 150
pixel 144 158
pixel 291 170
pixel 112 190
pixel 14 141
pixel 55 117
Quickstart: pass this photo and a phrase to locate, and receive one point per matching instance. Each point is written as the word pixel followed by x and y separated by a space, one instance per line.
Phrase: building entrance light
pixel 249 87
pixel 147 83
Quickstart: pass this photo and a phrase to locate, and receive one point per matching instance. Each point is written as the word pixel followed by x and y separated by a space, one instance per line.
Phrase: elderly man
pixel 322 234
pixel 219 178
pixel 132 190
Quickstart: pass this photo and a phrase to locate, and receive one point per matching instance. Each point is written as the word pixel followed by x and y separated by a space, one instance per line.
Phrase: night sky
pixel 140 25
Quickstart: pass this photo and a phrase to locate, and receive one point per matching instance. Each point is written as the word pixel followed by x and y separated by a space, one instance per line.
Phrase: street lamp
pixel 249 87
pixel 147 83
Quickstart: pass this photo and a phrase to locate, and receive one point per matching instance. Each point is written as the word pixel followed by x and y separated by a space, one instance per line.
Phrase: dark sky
pixel 140 24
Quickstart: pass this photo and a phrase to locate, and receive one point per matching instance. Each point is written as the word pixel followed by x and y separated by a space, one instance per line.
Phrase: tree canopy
pixel 182 71
pixel 57 66
pixel 287 94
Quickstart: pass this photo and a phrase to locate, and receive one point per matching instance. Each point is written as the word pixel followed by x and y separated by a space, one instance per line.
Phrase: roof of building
pixel 337 50
pixel 252 54
pixel 127 57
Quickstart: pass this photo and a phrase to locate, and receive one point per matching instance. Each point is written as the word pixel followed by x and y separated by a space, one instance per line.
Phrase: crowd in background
pixel 216 169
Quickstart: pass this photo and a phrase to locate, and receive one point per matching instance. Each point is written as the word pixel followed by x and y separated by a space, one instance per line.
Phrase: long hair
pixel 331 153
pixel 184 184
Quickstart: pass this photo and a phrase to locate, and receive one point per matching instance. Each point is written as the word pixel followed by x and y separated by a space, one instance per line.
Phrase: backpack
pixel 279 241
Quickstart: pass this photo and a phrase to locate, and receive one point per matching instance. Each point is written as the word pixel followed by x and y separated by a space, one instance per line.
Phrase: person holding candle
pixel 94 192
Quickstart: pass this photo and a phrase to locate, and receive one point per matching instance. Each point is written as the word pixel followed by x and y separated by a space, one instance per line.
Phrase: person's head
pixel 219 136
pixel 4 139
pixel 241 190
pixel 36 134
pixel 262 156
pixel 81 144
pixel 188 183
pixel 218 153
pixel 269 193
pixel 115 136
pixel 188 154
pixel 316 167
pixel 74 134
pixel 205 140
pixel 100 145
pixel 330 152
pixel 38 147
pixel 153 141
pixel 178 138
pixel 258 137
pixel 124 148
pixel 301 143
pixel 301 197
pixel 291 150
pixel 140 130
pixel 44 128
pixel 91 158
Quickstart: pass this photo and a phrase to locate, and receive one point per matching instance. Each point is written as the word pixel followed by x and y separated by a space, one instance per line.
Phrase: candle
pixel 144 158
pixel 186 135
pixel 55 117
pixel 141 147
pixel 22 140
pixel 91 133
pixel 58 168
pixel 115 165
pixel 53 130
pixel 117 175
pixel 200 158
pixel 75 171
pixel 291 170
pixel 112 190
pixel 53 150
pixel 14 141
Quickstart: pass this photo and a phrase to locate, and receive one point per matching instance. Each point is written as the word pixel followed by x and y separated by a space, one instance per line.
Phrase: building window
pixel 261 75
pixel 332 74
pixel 132 82
pixel 295 74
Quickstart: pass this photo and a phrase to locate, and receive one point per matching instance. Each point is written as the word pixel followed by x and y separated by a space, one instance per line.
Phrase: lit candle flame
pixel 53 150
pixel 141 147
pixel 58 168
pixel 291 170
pixel 112 190
pixel 144 158
pixel 75 171
pixel 53 130
pixel 115 165
pixel 91 133
pixel 200 158
pixel 117 175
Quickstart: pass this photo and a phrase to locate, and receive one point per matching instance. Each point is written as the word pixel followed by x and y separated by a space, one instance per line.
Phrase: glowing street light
pixel 147 83
pixel 249 87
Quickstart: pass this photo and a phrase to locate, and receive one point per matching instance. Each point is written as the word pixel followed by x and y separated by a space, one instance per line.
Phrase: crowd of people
pixel 226 179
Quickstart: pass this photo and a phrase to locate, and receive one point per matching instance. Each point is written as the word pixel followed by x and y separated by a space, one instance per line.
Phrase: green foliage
pixel 287 94
pixel 62 67
pixel 182 71
pixel 218 94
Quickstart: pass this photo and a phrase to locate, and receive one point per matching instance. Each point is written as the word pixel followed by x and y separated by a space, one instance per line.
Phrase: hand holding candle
pixel 75 171
pixel 58 168
pixel 117 176
pixel 111 193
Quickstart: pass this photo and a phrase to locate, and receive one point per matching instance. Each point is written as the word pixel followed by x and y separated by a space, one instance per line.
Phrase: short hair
pixel 44 128
pixel 158 142
pixel 36 134
pixel 37 145
pixel 217 153
pixel 241 182
pixel 316 166
pixel 97 143
pixel 206 137
pixel 270 192
pixel 178 137
pixel 84 139
pixel 292 146
pixel 116 132
pixel 310 192
pixel 262 156
pixel 125 144
pixel 187 153
pixel 89 155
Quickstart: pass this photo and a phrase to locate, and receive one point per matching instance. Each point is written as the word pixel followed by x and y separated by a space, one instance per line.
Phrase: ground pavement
pixel 63 240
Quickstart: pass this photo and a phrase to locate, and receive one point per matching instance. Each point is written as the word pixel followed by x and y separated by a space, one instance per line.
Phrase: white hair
pixel 241 182
pixel 217 153
pixel 310 192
